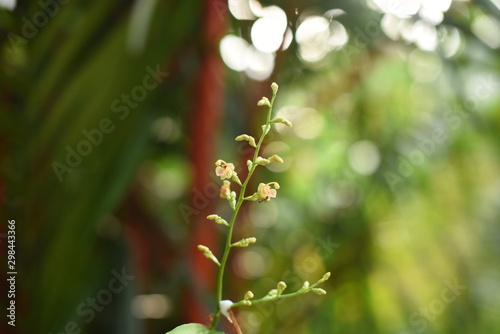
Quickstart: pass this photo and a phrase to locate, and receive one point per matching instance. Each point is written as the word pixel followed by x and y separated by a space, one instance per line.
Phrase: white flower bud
pixel 273 293
pixel 275 158
pixel 319 291
pixel 324 278
pixel 274 87
pixel 305 286
pixel 249 164
pixel 232 200
pixel 249 139
pixel 264 102
pixel 235 178
pixel 244 242
pixel 218 219
pixel 282 121
pixel 281 287
pixel 261 161
pixel 266 128
pixel 208 254
pixel 248 295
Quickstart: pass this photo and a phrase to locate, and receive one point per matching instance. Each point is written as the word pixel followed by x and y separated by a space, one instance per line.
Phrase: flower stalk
pixel 241 198
pixel 265 192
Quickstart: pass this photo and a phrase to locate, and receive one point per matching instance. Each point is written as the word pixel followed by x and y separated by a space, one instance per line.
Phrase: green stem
pixel 282 296
pixel 241 199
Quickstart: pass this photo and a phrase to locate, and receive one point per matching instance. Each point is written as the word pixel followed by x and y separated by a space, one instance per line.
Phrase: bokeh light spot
pixel 152 306
pixel 364 157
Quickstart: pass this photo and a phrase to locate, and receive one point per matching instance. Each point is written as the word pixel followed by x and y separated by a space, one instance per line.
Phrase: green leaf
pixel 193 329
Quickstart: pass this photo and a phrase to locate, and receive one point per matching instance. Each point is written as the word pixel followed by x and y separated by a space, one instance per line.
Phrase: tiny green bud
pixel 282 121
pixel 235 178
pixel 281 287
pixel 244 242
pixel 218 219
pixel 208 254
pixel 324 278
pixel 272 293
pixel 305 286
pixel 274 87
pixel 264 102
pixel 249 139
pixel 247 303
pixel 253 197
pixel 266 128
pixel 275 158
pixel 248 295
pixel 319 291
pixel 261 161
pixel 232 200
pixel 249 164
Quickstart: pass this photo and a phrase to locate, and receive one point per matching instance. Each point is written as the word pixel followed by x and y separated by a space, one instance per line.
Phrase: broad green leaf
pixel 193 329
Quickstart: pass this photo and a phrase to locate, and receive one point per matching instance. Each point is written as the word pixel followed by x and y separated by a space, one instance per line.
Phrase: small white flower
pixel 224 170
pixel 265 192
pixel 224 306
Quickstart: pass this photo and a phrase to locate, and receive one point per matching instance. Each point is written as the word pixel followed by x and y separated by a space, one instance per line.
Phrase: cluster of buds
pixel 265 192
pixel 246 300
pixel 244 242
pixel 225 192
pixel 277 293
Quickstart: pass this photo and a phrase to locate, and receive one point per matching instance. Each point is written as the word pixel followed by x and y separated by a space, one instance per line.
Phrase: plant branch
pixel 241 199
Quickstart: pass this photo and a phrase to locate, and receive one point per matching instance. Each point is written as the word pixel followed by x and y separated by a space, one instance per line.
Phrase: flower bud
pixel 247 303
pixel 282 121
pixel 275 158
pixel 281 287
pixel 274 87
pixel 218 219
pixel 249 139
pixel 253 197
pixel 273 293
pixel 248 295
pixel 305 286
pixel 235 178
pixel 208 254
pixel 225 189
pixel 324 278
pixel 318 291
pixel 232 200
pixel 244 242
pixel 249 164
pixel 261 161
pixel 266 128
pixel 264 102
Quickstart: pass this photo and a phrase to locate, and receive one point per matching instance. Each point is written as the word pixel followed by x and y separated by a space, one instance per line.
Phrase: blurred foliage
pixel 395 227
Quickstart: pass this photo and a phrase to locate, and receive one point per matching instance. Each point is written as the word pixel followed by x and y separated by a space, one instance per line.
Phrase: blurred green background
pixel 113 113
